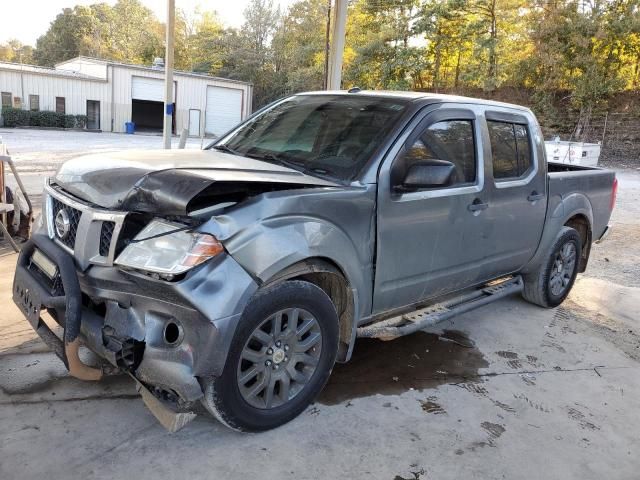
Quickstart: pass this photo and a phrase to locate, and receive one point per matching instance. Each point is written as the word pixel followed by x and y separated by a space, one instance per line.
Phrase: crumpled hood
pixel 170 181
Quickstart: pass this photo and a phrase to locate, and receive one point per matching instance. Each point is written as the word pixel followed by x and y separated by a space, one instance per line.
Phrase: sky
pixel 26 20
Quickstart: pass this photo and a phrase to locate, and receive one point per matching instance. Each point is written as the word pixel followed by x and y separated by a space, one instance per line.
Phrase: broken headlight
pixel 168 249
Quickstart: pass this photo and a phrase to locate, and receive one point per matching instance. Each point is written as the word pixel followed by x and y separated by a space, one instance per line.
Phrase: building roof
pixel 20 67
pixel 99 61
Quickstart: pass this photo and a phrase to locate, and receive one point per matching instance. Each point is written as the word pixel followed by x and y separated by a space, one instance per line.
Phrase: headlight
pixel 164 249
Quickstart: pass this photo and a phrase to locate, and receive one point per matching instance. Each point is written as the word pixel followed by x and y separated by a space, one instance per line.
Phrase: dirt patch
pixel 580 417
pixel 493 429
pixel 617 259
pixel 418 361
pixel 431 406
pixel 505 354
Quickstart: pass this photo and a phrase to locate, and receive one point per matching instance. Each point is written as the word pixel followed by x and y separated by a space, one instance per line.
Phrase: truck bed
pixel 553 167
pixel 586 189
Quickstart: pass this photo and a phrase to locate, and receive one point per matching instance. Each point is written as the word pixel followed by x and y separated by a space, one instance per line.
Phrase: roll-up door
pixel 224 109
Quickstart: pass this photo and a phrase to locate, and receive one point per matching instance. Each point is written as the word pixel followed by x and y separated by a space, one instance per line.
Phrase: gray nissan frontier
pixel 233 278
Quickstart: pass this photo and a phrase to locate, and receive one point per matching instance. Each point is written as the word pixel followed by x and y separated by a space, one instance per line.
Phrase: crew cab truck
pixel 235 276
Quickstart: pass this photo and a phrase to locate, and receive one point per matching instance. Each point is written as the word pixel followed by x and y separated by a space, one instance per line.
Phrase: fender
pixel 273 231
pixel 559 211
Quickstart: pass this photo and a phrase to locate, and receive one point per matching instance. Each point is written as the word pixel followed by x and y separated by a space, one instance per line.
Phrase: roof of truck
pixel 425 97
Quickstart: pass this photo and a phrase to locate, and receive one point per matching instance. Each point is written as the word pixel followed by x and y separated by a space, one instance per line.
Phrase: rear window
pixel 510 149
pixel 332 135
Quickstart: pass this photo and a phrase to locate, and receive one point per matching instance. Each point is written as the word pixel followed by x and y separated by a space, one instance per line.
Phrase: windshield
pixel 327 135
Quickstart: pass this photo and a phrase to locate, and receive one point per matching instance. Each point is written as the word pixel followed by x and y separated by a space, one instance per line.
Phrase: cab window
pixel 510 149
pixel 450 140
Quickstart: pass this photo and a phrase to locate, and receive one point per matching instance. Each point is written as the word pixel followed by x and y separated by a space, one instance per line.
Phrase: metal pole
pixel 168 76
pixel 337 44
pixel 327 44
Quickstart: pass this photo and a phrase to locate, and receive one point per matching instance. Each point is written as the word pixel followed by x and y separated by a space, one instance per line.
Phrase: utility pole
pixel 169 105
pixel 327 44
pixel 337 44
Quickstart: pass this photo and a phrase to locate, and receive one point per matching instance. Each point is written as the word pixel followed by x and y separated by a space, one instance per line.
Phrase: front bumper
pixel 123 317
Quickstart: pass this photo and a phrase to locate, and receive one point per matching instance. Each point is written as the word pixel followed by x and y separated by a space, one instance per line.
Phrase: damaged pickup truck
pixel 236 276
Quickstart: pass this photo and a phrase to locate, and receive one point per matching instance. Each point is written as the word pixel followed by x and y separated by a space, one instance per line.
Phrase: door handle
pixel 533 196
pixel 477 205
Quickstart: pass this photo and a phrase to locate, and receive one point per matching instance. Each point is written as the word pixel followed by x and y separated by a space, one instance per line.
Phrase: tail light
pixel 614 193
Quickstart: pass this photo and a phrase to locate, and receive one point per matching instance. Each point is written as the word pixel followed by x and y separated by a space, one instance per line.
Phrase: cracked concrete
pixel 540 394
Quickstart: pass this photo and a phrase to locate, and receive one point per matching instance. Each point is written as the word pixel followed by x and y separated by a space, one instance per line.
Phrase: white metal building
pixel 112 93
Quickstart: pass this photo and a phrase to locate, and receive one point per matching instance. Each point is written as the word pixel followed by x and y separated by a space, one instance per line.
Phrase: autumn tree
pixel 15 51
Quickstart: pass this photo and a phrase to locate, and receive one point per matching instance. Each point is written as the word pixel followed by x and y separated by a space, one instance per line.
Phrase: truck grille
pixel 86 232
pixel 106 234
pixel 72 216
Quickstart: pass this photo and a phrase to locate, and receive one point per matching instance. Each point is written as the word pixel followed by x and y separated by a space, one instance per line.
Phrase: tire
pixel 280 358
pixel 548 286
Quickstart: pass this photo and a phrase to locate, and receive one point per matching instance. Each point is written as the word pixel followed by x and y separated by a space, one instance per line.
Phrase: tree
pixel 581 50
pixel 250 57
pixel 127 32
pixel 15 51
pixel 299 47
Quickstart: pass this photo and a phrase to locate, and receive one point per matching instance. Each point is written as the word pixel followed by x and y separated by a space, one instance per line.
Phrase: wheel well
pixel 329 277
pixel 580 223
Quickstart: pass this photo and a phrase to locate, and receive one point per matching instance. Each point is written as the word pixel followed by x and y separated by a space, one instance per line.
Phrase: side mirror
pixel 428 174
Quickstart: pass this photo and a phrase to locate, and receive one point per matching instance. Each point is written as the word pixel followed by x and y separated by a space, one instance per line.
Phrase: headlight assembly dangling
pixel 166 249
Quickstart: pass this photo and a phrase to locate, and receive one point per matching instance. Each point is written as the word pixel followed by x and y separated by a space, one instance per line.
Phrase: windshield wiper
pixel 226 149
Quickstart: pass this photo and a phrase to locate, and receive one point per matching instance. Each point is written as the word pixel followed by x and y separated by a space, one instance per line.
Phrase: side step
pixel 411 322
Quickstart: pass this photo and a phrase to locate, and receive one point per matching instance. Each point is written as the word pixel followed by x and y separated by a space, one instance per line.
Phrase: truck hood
pixel 174 182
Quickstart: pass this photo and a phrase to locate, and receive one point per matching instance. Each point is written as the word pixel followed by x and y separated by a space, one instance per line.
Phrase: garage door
pixel 152 89
pixel 224 109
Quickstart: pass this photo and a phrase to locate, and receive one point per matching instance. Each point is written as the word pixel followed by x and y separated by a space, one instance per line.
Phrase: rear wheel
pixel 280 358
pixel 551 283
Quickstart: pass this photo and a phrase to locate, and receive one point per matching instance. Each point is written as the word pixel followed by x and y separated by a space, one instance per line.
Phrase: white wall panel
pixel 115 93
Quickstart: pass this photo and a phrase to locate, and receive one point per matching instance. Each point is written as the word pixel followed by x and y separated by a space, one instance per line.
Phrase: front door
pixel 93 114
pixel 432 241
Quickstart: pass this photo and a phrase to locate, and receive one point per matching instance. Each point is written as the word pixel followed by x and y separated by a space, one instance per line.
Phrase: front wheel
pixel 551 283
pixel 280 358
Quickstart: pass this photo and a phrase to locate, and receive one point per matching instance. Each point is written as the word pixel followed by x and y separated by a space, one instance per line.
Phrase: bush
pixel 69 121
pixel 35 119
pixel 15 117
pixel 45 118
pixel 81 121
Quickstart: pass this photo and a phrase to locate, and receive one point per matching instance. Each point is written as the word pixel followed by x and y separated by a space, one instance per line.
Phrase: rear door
pixel 432 241
pixel 516 188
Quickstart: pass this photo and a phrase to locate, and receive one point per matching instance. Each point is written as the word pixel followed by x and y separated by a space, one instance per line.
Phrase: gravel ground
pixel 506 391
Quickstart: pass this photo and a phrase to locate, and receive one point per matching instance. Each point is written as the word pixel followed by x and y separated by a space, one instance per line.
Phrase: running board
pixel 425 317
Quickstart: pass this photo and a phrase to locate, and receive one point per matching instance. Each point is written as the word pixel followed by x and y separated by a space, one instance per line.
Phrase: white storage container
pixel 574 153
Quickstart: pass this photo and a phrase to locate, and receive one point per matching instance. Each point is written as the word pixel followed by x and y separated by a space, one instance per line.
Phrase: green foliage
pixel 127 32
pixel 45 118
pixel 15 117
pixel 586 49
pixel 81 121
pixel 14 51
pixel 69 121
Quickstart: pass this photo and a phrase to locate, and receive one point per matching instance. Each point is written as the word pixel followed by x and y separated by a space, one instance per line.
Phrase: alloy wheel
pixel 279 358
pixel 562 269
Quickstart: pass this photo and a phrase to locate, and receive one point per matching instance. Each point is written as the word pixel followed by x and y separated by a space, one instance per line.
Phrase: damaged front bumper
pixel 169 335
